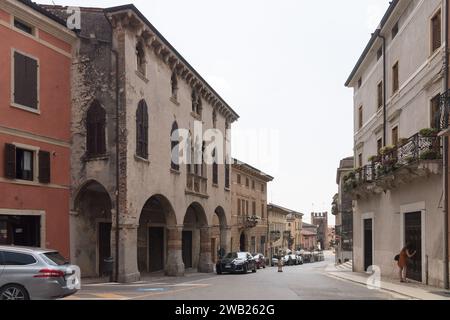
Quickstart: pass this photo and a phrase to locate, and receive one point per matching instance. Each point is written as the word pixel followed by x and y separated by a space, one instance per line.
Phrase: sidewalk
pixel 411 290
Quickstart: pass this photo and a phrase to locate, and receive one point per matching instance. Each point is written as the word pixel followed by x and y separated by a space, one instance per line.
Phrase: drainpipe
pixel 445 151
pixel 384 86
pixel 117 233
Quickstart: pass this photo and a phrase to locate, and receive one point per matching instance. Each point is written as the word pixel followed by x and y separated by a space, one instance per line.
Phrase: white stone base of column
pixel 129 278
pixel 174 265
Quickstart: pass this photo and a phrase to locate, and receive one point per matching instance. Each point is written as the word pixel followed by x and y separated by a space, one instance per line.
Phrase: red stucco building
pixel 35 100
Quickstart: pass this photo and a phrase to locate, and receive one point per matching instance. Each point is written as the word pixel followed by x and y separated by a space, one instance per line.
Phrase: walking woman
pixel 405 254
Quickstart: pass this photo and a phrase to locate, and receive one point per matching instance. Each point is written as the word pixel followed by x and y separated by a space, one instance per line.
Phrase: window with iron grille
pixel 436 31
pixel 142 130
pixel 95 130
pixel 174 147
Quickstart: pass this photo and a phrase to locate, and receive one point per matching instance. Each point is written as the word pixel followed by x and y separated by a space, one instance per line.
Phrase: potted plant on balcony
pixel 374 158
pixel 429 132
pixel 386 150
pixel 402 141
pixel 429 155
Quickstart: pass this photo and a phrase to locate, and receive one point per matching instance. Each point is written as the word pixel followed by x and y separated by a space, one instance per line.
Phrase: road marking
pixel 109 296
pixel 160 293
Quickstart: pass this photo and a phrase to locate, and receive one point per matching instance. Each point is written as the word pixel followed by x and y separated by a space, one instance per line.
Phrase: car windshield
pixel 236 255
pixel 55 258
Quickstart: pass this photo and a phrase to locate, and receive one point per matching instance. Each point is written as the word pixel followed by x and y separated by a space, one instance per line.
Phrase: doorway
pixel 368 243
pixel 187 249
pixel 242 243
pixel 156 248
pixel 104 244
pixel 413 236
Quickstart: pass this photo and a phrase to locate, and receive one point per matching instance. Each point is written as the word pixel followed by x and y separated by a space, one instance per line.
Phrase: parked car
pixel 235 262
pixel 260 261
pixel 287 260
pixel 299 259
pixel 307 257
pixel 35 274
pixel 294 258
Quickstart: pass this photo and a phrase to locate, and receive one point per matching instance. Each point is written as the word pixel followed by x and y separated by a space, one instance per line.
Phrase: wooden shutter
pixel 436 31
pixel 44 167
pixel 25 81
pixel 96 130
pixel 10 161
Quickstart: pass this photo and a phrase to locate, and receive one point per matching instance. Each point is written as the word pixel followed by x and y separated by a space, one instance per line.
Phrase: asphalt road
pixel 303 282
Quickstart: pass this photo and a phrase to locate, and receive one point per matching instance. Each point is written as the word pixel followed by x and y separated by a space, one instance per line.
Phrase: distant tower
pixel 320 219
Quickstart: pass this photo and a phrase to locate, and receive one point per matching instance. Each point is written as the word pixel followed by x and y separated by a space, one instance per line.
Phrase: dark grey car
pixel 36 274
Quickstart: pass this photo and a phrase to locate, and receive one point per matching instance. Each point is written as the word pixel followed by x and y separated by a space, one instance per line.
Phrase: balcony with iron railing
pixel 248 222
pixel 418 156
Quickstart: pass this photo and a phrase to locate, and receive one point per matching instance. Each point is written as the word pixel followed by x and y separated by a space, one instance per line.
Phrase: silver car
pixel 35 274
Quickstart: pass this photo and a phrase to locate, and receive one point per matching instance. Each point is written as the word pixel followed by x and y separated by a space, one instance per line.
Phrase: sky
pixel 281 65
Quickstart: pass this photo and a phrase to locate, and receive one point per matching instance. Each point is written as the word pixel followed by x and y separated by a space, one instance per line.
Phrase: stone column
pixel 174 264
pixel 128 268
pixel 225 238
pixel 205 264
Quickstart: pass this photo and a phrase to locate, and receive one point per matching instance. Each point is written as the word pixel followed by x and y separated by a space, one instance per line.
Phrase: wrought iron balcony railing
pixel 413 150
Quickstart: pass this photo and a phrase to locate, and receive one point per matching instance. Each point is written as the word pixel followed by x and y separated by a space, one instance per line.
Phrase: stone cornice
pixel 38 20
pixel 129 17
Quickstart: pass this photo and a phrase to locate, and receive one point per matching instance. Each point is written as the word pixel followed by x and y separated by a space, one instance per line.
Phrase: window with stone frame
pixel 140 58
pixel 174 86
pixel 142 130
pixel 196 103
pixel 436 31
pixel 95 130
pixel 435 115
pixel 380 94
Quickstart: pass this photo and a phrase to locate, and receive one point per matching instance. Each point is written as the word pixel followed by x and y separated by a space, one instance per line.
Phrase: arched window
pixel 142 130
pixel 140 58
pixel 215 168
pixel 174 84
pixel 196 103
pixel 95 130
pixel 174 147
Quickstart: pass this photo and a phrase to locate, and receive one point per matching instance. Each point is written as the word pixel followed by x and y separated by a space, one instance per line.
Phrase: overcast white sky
pixel 282 66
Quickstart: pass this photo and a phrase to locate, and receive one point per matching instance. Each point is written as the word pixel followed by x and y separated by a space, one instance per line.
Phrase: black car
pixel 235 262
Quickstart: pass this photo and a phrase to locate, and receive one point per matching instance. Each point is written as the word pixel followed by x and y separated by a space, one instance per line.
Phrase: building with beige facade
pixel 249 231
pixel 398 186
pixel 294 222
pixel 343 212
pixel 309 237
pixel 138 106
pixel 282 228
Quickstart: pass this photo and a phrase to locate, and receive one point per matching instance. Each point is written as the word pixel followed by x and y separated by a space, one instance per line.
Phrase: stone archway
pixel 156 220
pixel 220 234
pixel 91 229
pixel 196 240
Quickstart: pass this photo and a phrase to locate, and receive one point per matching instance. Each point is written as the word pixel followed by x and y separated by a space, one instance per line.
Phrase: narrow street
pixel 303 282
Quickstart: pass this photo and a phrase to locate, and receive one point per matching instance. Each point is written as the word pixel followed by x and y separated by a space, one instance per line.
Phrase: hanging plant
pixel 429 132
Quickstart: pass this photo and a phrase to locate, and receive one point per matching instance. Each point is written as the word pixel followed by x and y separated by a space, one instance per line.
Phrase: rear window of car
pixel 54 258
pixel 16 259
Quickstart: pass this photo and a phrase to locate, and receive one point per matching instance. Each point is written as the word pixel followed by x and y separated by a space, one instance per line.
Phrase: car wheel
pixel 13 292
pixel 245 269
pixel 219 271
